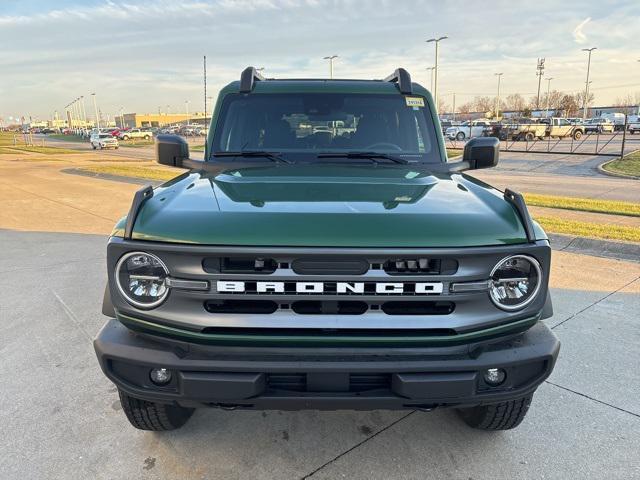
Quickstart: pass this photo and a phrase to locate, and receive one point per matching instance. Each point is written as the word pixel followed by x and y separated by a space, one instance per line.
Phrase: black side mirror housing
pixel 482 152
pixel 172 150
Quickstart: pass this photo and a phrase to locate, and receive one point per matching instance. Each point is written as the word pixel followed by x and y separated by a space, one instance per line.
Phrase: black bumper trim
pixel 434 377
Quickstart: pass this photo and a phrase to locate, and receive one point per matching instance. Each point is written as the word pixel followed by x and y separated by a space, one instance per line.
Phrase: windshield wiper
pixel 366 155
pixel 273 156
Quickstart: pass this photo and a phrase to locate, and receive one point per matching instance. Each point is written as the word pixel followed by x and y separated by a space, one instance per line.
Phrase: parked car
pixel 468 129
pixel 135 133
pixel 633 124
pixel 448 124
pixel 618 120
pixel 523 129
pixel 103 140
pixel 599 125
pixel 562 127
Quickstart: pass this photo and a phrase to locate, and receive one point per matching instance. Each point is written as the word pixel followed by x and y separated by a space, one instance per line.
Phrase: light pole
pixel 548 92
pixel 95 108
pixel 186 103
pixel 435 84
pixel 453 110
pixel 84 112
pixel 586 89
pixel 121 117
pixel 431 69
pixel 499 75
pixel 331 59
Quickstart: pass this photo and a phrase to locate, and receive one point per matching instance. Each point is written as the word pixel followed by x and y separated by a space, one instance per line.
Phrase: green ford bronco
pixel 326 255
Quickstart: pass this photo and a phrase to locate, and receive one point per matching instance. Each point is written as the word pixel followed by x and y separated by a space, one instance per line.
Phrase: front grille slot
pixel 418 308
pixel 241 306
pixel 330 266
pixel 358 382
pixel 420 266
pixel 311 307
pixel 239 265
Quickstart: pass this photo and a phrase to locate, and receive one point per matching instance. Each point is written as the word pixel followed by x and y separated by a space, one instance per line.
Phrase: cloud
pixel 578 34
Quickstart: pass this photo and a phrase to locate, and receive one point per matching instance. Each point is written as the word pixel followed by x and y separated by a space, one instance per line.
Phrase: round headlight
pixel 515 282
pixel 142 279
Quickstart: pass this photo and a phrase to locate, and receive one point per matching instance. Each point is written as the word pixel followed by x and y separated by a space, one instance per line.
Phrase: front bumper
pixel 325 378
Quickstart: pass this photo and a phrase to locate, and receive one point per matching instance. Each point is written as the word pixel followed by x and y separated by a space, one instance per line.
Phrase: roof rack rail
pixel 248 78
pixel 517 200
pixel 402 78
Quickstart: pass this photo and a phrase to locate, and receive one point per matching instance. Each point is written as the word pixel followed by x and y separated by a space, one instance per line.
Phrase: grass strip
pixel 454 152
pixel 627 165
pixel 611 207
pixel 589 229
pixel 134 171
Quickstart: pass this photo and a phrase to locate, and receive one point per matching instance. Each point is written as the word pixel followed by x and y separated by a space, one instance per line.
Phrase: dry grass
pixel 135 171
pixel 589 229
pixel 610 207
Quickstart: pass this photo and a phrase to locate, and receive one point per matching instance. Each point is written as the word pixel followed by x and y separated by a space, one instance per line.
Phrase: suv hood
pixel 328 206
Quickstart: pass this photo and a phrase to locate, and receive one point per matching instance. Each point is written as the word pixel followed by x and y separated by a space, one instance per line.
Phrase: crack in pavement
pixel 594 303
pixel 593 399
pixel 309 475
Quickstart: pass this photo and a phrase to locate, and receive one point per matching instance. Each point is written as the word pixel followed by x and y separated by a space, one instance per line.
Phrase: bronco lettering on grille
pixel 340 288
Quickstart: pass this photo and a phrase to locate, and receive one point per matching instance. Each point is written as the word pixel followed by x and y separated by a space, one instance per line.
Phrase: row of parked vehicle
pixel 530 129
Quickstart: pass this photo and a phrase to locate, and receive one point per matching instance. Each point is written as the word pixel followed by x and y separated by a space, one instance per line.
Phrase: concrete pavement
pixel 61 418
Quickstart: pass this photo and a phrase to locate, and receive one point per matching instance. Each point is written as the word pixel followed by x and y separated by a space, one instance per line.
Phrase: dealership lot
pixel 64 420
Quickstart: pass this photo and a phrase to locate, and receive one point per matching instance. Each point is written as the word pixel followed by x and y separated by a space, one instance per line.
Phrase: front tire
pixel 152 416
pixel 501 416
pixel 577 135
pixel 460 136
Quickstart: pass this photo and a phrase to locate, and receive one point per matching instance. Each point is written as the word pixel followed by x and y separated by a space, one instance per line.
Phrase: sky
pixel 146 55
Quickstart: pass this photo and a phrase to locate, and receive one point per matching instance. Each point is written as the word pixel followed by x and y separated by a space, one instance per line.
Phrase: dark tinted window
pixel 328 122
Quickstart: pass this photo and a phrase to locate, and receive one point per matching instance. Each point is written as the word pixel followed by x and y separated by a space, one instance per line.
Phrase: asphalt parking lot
pixel 61 417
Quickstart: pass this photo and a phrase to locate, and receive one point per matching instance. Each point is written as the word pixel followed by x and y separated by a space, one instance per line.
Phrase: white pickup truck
pixel 562 127
pixel 134 133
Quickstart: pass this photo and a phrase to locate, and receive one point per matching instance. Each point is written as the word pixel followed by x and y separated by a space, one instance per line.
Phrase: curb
pixel 614 174
pixel 595 247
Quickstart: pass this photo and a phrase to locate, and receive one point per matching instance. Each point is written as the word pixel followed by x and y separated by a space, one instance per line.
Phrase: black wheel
pixel 529 137
pixel 501 416
pixel 577 135
pixel 93 146
pixel 460 136
pixel 153 416
pixel 146 137
pixel 126 137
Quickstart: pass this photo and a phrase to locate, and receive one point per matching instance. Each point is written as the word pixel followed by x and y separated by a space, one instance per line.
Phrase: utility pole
pixel 95 108
pixel 331 59
pixel 186 103
pixel 205 88
pixel 454 107
pixel 431 69
pixel 585 104
pixel 499 75
pixel 539 73
pixel 548 92
pixel 435 84
pixel 121 117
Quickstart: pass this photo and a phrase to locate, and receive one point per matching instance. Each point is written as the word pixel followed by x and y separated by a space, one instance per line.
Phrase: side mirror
pixel 482 152
pixel 171 150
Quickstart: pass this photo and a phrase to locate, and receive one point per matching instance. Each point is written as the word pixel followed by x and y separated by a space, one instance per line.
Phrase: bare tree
pixel 569 105
pixel 515 102
pixel 443 107
pixel 465 107
pixel 484 104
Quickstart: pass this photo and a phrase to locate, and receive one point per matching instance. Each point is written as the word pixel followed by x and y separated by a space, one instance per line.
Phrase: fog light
pixel 160 376
pixel 494 376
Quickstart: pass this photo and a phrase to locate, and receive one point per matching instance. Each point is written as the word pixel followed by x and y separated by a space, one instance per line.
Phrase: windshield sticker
pixel 414 101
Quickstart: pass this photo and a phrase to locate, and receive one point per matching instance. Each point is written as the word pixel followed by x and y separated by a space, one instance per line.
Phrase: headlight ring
pixel 141 279
pixel 515 282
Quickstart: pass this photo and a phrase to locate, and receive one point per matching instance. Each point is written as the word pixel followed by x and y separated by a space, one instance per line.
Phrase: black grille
pixel 330 266
pixel 358 382
pixel 420 266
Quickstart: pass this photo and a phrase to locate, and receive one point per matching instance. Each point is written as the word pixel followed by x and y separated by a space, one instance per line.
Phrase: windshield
pixel 295 124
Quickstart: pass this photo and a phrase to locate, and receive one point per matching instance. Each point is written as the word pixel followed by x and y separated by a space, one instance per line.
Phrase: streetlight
pixel 431 69
pixel 186 103
pixel 435 85
pixel 586 90
pixel 499 75
pixel 548 92
pixel 121 117
pixel 95 108
pixel 330 58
